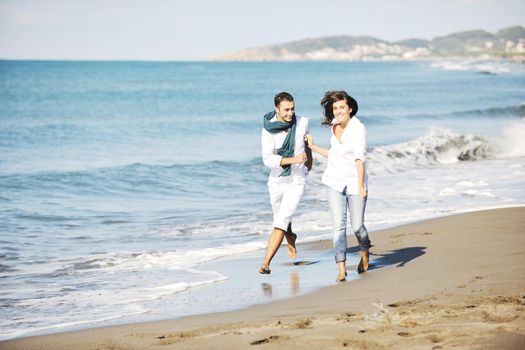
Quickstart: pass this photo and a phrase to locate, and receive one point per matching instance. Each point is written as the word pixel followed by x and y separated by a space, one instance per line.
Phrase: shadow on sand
pixel 398 257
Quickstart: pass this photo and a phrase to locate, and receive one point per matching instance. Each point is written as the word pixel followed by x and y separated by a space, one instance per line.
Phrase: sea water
pixel 125 187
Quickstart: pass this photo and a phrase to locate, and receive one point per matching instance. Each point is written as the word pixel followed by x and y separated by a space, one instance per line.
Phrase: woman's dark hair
pixel 330 97
pixel 282 96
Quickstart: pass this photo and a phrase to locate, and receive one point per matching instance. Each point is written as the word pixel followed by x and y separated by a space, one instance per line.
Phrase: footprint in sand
pixel 473 280
pixel 265 340
pixel 399 235
pixel 303 324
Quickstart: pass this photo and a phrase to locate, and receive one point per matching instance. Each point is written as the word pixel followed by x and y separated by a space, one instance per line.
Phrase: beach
pixel 451 282
pixel 120 202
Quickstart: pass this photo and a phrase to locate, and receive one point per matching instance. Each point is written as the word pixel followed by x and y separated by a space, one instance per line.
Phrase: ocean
pixel 129 189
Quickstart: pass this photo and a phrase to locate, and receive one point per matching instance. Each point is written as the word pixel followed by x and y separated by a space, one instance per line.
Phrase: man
pixel 284 152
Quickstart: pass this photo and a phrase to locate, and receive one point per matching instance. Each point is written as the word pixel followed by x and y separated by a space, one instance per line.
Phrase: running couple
pixel 287 150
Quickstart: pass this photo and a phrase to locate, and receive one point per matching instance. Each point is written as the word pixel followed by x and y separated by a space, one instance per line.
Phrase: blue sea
pixel 128 189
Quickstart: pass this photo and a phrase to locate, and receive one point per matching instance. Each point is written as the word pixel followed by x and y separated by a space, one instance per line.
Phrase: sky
pixel 200 29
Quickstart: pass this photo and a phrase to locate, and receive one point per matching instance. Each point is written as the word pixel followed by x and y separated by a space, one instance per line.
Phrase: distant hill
pixel 508 42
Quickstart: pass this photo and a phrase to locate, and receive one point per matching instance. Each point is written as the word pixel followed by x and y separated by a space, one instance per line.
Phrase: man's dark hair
pixel 282 96
pixel 328 101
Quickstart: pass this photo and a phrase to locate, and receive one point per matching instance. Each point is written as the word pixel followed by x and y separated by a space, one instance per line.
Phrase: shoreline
pixel 229 266
pixel 440 282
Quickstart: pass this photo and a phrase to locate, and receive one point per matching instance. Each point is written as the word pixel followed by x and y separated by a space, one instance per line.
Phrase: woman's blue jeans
pixel 340 205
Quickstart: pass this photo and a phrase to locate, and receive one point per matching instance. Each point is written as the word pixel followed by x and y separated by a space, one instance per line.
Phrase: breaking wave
pixel 442 146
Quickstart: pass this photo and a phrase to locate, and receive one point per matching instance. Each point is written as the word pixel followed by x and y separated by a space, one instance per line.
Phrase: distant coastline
pixel 507 43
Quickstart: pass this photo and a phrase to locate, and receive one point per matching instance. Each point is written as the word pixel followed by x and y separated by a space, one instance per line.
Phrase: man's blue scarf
pixel 288 147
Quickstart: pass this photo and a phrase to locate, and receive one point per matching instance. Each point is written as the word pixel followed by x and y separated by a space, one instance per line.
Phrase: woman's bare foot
pixel 341 277
pixel 363 264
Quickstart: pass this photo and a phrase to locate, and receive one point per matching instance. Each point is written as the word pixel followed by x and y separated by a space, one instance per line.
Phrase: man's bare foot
pixel 290 239
pixel 265 270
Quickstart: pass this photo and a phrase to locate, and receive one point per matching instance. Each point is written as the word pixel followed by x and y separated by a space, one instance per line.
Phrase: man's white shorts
pixel 285 199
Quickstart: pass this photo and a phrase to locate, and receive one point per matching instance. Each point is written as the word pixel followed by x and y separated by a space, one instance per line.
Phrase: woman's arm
pixel 360 165
pixel 359 146
pixel 310 141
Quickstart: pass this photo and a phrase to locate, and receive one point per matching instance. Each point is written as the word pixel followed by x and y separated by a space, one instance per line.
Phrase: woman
pixel 345 174
pixel 283 151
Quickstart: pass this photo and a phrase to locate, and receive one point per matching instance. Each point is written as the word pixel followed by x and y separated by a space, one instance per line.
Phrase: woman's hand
pixel 363 192
pixel 360 165
pixel 309 139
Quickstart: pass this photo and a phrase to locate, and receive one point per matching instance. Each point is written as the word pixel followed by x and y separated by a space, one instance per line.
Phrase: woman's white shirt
pixel 272 142
pixel 341 171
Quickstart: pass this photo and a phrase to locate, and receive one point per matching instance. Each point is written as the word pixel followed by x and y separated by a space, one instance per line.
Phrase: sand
pixel 456 282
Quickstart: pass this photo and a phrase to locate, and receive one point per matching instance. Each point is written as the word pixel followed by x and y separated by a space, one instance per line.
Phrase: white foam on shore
pixel 31 330
pixel 84 306
pixel 131 261
pixel 478 183
pixel 511 144
pixel 486 67
pixel 412 193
